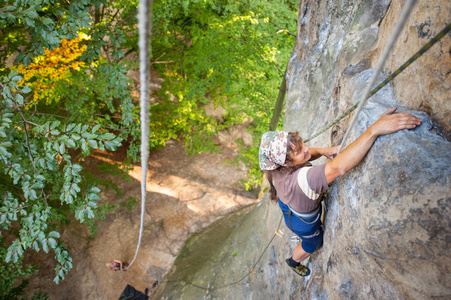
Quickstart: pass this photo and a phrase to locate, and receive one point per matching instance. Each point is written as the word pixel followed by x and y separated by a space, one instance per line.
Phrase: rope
pixel 144 25
pixel 404 15
pixel 413 58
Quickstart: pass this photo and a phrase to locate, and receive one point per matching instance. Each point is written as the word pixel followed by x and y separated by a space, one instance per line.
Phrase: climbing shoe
pixel 300 269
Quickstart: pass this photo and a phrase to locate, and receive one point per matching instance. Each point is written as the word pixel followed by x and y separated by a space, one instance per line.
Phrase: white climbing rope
pixel 144 26
pixel 402 20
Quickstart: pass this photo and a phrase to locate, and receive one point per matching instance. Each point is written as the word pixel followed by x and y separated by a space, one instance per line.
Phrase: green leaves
pixel 71 180
pixel 33 234
pixel 10 272
pixel 65 263
pixel 9 210
pixel 92 144
pixel 87 210
pixel 76 136
pixel 54 235
pixel 229 55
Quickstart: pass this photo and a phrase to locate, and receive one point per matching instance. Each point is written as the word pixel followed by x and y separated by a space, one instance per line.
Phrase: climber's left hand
pixel 330 152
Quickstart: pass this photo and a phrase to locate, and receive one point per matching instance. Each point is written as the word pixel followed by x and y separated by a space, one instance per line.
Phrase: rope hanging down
pixel 144 25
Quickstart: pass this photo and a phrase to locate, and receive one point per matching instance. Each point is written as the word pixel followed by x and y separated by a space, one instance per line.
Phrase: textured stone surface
pixel 388 220
pixel 429 78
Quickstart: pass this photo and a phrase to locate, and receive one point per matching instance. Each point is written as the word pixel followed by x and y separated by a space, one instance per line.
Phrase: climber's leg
pixel 299 254
pixel 302 251
pixel 294 262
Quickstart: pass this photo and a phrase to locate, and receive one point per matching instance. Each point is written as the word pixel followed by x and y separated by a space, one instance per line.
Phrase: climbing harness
pixel 413 58
pixel 316 213
pixel 290 213
pixel 308 215
pixel 144 25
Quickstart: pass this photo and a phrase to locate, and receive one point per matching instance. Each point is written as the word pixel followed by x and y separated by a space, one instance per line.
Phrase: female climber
pixel 297 186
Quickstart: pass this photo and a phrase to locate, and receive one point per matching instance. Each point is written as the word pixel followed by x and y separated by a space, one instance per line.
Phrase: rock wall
pixel 388 220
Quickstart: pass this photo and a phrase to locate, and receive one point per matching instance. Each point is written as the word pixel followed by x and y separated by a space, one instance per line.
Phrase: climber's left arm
pixel 328 152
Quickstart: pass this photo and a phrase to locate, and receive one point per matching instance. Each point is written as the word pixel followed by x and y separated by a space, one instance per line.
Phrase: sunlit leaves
pixel 229 54
pixel 52 66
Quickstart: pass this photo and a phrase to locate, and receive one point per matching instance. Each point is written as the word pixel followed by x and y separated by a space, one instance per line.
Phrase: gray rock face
pixel 388 224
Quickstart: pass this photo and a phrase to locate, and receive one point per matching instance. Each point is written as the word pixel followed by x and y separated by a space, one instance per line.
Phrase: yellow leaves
pixel 237 19
pixel 83 36
pixel 54 65
pixel 245 18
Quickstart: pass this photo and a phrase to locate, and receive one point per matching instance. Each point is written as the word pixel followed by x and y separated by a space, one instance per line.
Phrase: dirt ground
pixel 184 195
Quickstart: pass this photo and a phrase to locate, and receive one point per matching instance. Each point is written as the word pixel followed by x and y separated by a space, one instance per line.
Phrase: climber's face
pixel 302 156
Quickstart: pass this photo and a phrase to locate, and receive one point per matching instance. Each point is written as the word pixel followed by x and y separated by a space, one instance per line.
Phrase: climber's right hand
pixel 389 122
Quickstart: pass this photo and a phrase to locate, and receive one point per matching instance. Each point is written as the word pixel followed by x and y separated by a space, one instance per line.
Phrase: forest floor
pixel 184 195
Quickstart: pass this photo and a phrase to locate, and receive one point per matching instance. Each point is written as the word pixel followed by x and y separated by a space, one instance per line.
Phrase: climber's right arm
pixel 355 152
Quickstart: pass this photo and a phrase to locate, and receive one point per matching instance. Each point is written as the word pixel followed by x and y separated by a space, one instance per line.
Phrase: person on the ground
pixel 298 187
pixel 117 265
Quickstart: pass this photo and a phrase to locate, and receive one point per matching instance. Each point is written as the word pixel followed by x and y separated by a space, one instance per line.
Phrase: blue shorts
pixel 310 234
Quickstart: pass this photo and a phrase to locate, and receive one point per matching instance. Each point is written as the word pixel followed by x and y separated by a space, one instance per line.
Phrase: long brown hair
pixel 294 146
